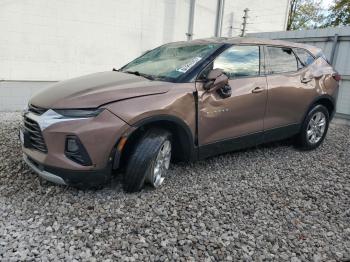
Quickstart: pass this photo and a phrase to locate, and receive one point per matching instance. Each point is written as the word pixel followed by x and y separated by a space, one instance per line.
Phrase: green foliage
pixel 339 13
pixel 305 14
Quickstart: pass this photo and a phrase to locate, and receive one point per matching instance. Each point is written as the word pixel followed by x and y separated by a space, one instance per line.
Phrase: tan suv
pixel 180 101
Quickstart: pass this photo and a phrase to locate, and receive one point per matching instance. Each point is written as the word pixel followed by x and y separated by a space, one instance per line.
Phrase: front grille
pixel 36 110
pixel 35 137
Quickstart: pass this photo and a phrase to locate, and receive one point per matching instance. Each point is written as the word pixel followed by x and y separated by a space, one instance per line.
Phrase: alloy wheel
pixel 161 165
pixel 316 127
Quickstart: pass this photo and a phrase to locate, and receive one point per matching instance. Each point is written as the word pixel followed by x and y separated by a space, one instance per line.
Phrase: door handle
pixel 257 90
pixel 306 80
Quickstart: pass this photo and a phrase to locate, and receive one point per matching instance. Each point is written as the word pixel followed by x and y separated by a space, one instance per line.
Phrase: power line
pixel 265 15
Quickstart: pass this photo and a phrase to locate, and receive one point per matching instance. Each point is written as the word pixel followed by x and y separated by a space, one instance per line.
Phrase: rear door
pixel 290 89
pixel 221 120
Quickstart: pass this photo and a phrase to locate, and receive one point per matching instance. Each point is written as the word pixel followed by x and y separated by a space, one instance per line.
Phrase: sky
pixel 327 3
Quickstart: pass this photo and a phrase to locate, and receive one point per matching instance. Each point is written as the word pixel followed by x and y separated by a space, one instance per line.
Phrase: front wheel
pixel 314 128
pixel 149 161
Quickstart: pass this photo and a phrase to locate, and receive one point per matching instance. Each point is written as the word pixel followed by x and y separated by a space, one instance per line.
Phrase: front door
pixel 225 124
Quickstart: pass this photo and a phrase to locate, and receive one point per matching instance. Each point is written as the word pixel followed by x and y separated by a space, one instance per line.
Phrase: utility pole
pixel 222 16
pixel 218 19
pixel 244 24
pixel 191 20
pixel 231 25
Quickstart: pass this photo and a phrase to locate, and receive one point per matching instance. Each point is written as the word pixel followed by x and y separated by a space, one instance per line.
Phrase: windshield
pixel 170 61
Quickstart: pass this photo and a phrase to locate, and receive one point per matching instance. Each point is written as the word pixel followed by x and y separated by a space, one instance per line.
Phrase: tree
pixel 305 14
pixel 339 13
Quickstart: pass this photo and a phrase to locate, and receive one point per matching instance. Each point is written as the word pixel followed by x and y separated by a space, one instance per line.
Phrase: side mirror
pixel 216 79
pixel 215 73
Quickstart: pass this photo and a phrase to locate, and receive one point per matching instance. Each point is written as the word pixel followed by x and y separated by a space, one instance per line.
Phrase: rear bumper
pixel 87 178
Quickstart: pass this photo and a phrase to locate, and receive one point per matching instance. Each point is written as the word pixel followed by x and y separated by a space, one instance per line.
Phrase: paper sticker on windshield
pixel 184 68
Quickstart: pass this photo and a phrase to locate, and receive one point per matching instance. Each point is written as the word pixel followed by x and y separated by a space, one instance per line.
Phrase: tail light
pixel 337 77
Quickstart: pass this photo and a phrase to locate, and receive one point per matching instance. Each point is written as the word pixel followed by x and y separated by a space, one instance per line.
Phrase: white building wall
pixel 204 19
pixel 54 40
pixel 51 40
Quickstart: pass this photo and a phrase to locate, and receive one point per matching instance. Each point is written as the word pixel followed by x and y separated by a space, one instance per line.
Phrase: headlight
pixel 53 116
pixel 78 113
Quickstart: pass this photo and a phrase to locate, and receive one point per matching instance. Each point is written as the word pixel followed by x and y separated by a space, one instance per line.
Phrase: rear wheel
pixel 149 161
pixel 314 128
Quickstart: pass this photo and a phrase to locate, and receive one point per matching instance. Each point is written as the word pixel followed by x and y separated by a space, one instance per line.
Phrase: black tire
pixel 142 158
pixel 302 141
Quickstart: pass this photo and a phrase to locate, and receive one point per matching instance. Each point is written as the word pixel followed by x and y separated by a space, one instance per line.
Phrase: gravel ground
pixel 269 203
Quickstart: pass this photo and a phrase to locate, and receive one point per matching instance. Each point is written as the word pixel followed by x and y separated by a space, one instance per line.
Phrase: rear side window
pixel 323 56
pixel 281 60
pixel 239 61
pixel 305 57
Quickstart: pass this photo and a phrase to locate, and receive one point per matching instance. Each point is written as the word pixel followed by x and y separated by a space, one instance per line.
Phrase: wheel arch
pixel 325 100
pixel 183 142
pixel 302 141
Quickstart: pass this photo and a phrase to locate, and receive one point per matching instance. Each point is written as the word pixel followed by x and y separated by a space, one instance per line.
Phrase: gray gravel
pixel 270 203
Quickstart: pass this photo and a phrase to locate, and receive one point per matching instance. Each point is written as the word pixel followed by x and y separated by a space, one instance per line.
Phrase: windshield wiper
pixel 137 73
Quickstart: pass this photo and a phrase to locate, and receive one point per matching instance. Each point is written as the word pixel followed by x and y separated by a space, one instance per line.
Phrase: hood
pixel 93 90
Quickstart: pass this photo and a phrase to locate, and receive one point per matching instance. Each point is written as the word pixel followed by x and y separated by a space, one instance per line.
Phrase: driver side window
pixel 239 61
